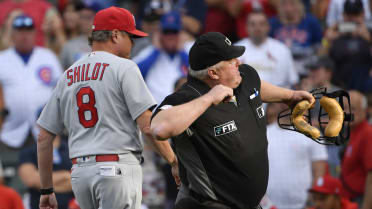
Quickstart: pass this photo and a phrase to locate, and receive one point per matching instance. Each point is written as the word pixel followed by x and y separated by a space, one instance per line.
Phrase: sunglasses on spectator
pixel 23 22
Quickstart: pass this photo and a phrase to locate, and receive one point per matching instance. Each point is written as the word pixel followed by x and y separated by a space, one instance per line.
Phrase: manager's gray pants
pixel 108 185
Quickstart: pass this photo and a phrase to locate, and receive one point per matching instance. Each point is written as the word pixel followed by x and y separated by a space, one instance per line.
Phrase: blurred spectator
pixel 221 17
pixel 61 173
pixel 295 162
pixel 3 111
pixel 305 83
pixel 6 29
pixel 369 98
pixel 301 32
pixel 192 12
pixel 162 66
pixel 336 11
pixel 248 6
pixel 77 47
pixel 319 9
pixel 271 58
pixel 73 204
pixel 356 168
pixel 70 19
pixel 326 194
pixel 150 24
pixel 193 16
pixel 48 24
pixel 321 71
pixel 9 198
pixel 28 75
pixel 350 49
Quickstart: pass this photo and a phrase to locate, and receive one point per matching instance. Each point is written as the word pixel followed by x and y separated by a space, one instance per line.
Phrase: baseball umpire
pixel 100 100
pixel 219 128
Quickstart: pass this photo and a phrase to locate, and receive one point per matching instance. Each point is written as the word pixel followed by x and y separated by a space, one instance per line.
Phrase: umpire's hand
pixel 48 201
pixel 220 93
pixel 298 96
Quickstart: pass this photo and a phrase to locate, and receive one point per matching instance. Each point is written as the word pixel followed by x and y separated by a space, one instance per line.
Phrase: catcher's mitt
pixel 334 129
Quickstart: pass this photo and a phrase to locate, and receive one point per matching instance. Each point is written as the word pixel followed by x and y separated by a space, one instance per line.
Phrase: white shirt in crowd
pixel 27 88
pixel 163 73
pixel 336 10
pixel 272 60
pixel 290 166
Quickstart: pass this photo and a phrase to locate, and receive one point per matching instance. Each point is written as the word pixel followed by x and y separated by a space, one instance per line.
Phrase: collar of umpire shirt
pixel 197 85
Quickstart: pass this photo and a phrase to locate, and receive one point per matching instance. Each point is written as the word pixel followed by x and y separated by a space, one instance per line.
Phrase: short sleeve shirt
pixel 225 150
pixel 98 100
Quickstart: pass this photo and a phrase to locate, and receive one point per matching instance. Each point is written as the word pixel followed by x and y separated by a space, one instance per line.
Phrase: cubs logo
pixel 45 75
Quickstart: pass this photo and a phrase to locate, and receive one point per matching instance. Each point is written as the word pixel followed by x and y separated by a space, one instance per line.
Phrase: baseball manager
pixel 103 103
pixel 218 125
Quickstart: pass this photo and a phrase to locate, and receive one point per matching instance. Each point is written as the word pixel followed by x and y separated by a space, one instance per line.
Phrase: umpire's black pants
pixel 195 201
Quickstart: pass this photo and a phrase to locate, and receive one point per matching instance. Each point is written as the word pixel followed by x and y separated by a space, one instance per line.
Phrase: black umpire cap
pixel 211 48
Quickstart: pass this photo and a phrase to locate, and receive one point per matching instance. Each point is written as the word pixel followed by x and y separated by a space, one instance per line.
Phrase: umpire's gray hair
pixel 199 74
pixel 202 74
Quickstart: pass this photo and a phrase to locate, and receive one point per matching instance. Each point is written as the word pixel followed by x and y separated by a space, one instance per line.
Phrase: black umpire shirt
pixel 224 152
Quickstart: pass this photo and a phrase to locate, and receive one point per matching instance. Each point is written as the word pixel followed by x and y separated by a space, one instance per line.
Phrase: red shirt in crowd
pixel 9 198
pixel 247 7
pixel 357 161
pixel 37 9
pixel 219 20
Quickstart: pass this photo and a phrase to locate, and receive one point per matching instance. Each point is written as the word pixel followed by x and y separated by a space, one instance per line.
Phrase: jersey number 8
pixel 89 106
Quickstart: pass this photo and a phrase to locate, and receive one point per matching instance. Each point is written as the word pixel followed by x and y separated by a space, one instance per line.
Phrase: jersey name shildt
pixel 85 73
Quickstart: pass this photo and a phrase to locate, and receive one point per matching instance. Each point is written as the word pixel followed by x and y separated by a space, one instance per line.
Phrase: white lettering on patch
pixel 225 128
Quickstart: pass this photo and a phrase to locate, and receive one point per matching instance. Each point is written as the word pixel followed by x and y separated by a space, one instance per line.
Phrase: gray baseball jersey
pixel 98 100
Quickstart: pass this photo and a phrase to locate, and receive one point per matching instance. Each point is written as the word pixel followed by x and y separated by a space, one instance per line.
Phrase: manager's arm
pixel 271 93
pixel 45 163
pixel 173 121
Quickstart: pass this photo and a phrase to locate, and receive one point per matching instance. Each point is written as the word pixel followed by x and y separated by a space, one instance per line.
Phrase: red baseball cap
pixel 116 18
pixel 327 185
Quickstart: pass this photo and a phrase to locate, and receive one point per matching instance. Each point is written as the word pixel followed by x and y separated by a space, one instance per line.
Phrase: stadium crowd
pixel 299 44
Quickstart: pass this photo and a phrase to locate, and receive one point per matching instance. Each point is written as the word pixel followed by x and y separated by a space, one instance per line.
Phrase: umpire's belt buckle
pixel 95 158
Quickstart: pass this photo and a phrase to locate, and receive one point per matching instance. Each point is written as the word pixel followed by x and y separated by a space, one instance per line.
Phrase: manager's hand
pixel 48 201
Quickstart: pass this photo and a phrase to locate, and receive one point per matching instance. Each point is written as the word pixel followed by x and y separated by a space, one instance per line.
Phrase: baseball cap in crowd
pixel 88 4
pixel 353 7
pixel 171 21
pixel 320 61
pixel 116 18
pixel 327 185
pixel 211 48
pixel 23 22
